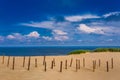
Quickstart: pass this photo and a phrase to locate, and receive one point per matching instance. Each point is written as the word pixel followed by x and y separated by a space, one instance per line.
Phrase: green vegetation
pixel 107 50
pixel 96 50
pixel 79 52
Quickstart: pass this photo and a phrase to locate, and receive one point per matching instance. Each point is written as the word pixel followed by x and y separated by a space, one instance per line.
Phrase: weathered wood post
pixel 53 61
pixel 61 66
pixel 65 64
pixel 13 66
pixel 44 60
pixel 71 62
pixel 24 61
pixel 29 63
pixel 35 62
pixel 83 62
pixel 111 63
pixel 76 65
pixel 107 66
pixel 45 66
pixel 99 62
pixel 8 61
pixel 52 64
pixel 93 66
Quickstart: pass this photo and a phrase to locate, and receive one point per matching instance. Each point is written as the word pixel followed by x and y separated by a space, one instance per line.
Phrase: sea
pixel 45 50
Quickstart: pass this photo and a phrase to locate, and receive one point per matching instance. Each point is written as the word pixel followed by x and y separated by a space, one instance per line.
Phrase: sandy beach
pixel 84 72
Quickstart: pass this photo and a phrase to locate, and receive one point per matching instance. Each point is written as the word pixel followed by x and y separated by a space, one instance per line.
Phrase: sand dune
pixel 84 73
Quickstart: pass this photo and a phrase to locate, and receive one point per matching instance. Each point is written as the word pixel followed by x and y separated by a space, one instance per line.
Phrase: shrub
pixel 78 52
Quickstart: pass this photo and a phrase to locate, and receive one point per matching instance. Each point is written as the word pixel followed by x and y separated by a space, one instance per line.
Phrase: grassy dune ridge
pixel 96 50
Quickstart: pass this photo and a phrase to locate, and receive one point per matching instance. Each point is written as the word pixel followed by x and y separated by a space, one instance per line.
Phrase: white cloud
pixel 34 34
pixel 47 24
pixel 59 32
pixel 61 38
pixel 96 30
pixel 111 13
pixel 80 17
pixel 47 38
pixel 11 37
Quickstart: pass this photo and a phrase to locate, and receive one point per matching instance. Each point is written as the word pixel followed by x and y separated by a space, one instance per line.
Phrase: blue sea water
pixel 45 50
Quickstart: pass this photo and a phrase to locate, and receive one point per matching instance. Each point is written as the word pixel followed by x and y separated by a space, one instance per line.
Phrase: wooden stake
pixel 93 66
pixel 99 62
pixel 107 66
pixel 45 65
pixel 8 61
pixel 44 60
pixel 24 61
pixel 52 64
pixel 76 65
pixel 13 66
pixel 66 64
pixel 53 61
pixel 71 62
pixel 29 63
pixel 35 62
pixel 61 66
pixel 83 62
pixel 111 63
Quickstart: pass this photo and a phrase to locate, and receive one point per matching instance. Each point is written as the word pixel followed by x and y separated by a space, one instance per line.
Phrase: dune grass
pixel 79 52
pixel 96 50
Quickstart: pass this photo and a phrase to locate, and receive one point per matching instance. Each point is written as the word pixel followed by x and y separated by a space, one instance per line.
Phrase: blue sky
pixel 59 22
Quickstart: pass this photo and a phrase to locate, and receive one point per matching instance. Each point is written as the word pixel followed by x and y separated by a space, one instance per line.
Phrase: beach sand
pixel 84 73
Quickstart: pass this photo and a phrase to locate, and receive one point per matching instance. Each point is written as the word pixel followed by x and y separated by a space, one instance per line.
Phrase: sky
pixel 59 22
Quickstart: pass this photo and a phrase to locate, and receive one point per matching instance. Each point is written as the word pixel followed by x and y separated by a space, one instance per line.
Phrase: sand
pixel 84 73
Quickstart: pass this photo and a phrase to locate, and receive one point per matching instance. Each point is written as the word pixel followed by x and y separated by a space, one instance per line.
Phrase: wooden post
pixel 13 66
pixel 61 66
pixel 29 63
pixel 93 66
pixel 45 65
pixel 76 65
pixel 111 63
pixel 44 60
pixel 8 61
pixel 99 62
pixel 35 62
pixel 53 61
pixel 3 59
pixel 24 61
pixel 52 64
pixel 83 62
pixel 66 64
pixel 107 66
pixel 71 62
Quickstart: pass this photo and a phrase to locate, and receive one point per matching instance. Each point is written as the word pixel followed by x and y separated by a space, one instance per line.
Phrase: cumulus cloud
pixel 77 18
pixel 60 35
pixel 96 30
pixel 59 32
pixel 34 34
pixel 47 38
pixel 10 37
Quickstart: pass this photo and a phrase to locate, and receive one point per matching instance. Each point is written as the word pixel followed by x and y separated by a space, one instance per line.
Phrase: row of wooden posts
pixel 78 64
